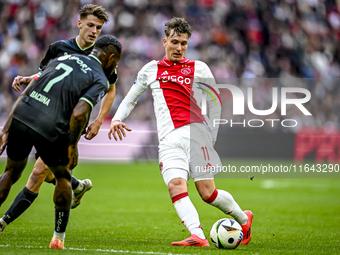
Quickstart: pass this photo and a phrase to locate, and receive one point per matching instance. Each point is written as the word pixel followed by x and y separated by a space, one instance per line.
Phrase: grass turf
pixel 128 211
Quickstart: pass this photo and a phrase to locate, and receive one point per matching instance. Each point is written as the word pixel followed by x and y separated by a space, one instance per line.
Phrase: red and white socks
pixel 226 203
pixel 221 199
pixel 187 212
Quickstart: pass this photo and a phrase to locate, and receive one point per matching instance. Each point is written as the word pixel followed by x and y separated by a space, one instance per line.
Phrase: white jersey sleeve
pixel 131 98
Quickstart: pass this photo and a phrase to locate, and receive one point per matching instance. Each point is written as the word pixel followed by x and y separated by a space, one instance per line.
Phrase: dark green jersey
pixel 66 47
pixel 64 81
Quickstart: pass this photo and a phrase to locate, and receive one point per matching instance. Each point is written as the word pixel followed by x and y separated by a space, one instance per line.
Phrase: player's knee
pixel 14 169
pixel 38 174
pixel 205 194
pixel 10 174
pixel 177 186
pixel 61 200
pixel 205 189
pixel 62 174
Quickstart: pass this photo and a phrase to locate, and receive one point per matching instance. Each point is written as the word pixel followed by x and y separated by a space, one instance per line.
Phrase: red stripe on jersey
pixel 212 197
pixel 180 196
pixel 175 81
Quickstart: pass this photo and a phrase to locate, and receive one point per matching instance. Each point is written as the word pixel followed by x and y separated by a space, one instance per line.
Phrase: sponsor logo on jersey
pixel 165 73
pixel 101 95
pixel 62 58
pixel 41 98
pixel 177 79
pixel 84 67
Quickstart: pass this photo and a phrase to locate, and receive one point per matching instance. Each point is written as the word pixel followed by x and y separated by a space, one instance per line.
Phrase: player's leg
pixel 62 199
pixel 7 179
pixel 224 201
pixel 220 199
pixel 29 193
pixel 18 148
pixel 42 173
pixel 55 156
pixel 204 164
pixel 11 174
pixel 38 176
pixel 185 209
pixel 174 168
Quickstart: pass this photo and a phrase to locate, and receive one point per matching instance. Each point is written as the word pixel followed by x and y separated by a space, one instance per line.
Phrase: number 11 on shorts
pixel 205 153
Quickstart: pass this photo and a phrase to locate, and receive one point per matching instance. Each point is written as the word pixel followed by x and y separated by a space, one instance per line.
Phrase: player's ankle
pixel 61 235
pixel 79 188
pixel 198 232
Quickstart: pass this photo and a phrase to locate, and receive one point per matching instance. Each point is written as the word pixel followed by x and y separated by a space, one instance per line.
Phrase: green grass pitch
pixel 129 211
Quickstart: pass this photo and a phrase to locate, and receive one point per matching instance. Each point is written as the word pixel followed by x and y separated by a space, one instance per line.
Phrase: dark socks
pixel 22 201
pixel 61 220
pixel 74 183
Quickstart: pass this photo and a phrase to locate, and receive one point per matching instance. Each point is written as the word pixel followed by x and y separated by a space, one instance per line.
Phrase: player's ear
pixel 109 59
pixel 79 23
pixel 164 41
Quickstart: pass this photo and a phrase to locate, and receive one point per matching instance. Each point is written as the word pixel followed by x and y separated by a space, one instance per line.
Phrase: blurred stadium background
pixel 242 40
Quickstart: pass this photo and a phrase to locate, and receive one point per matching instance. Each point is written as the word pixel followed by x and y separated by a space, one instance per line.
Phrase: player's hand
pixel 118 127
pixel 3 141
pixel 73 156
pixel 92 130
pixel 20 80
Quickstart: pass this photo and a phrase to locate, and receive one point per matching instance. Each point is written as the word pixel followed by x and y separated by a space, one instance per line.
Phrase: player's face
pixel 90 29
pixel 175 46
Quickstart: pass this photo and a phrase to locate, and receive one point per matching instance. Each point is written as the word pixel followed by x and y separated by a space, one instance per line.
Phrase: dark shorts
pixel 37 155
pixel 22 138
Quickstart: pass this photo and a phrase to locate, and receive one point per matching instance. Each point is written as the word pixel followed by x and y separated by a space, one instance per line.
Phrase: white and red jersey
pixel 176 95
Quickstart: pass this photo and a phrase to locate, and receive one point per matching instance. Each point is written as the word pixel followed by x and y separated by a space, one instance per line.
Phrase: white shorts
pixel 188 152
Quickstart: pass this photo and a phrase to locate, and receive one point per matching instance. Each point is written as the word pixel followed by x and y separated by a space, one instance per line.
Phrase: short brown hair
pixel 95 10
pixel 180 26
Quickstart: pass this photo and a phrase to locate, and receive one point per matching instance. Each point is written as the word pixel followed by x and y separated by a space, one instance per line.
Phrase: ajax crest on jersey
pixel 186 71
pixel 226 234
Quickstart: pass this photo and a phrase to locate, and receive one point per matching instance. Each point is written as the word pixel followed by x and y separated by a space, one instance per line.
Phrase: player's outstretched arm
pixel 4 132
pixel 21 80
pixel 77 123
pixel 118 127
pixel 105 107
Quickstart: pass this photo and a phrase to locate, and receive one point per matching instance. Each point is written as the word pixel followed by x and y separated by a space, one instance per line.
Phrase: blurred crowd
pixel 239 40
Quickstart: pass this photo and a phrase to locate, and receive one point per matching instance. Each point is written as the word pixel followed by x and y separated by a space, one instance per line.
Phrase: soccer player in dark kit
pixel 92 19
pixel 51 116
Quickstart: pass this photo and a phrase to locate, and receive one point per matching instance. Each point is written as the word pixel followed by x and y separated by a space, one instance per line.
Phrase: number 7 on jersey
pixel 67 69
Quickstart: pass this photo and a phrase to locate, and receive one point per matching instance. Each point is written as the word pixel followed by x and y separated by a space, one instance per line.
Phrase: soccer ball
pixel 226 234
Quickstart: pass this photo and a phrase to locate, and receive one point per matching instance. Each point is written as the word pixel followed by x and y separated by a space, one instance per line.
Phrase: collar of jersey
pixel 95 58
pixel 167 62
pixel 81 47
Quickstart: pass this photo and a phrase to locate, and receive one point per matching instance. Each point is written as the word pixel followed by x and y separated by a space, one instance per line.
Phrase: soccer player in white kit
pixel 186 137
